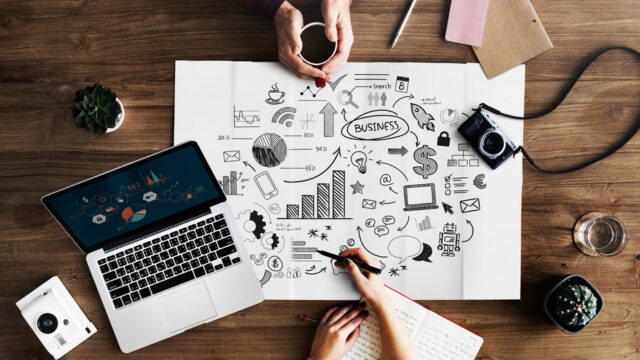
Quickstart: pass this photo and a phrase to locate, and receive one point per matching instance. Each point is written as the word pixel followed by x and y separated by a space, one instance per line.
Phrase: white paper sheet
pixel 244 114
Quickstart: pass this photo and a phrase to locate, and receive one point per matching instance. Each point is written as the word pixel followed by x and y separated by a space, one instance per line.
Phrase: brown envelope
pixel 513 34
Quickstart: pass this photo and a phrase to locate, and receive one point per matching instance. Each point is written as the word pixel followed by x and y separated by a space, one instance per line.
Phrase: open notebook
pixel 434 336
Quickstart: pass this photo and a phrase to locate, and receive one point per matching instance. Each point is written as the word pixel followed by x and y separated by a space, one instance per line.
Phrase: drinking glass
pixel 599 234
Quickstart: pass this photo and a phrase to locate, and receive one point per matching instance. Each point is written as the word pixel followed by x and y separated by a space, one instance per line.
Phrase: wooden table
pixel 48 49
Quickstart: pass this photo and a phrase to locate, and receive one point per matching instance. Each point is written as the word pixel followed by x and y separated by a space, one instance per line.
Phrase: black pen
pixel 361 264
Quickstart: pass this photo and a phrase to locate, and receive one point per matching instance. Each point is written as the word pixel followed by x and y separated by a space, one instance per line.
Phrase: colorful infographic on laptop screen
pixel 138 196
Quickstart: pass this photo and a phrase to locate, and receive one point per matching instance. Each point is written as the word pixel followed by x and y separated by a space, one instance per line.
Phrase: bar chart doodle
pixel 327 203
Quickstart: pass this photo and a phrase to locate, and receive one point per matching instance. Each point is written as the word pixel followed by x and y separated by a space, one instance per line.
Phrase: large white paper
pixel 307 168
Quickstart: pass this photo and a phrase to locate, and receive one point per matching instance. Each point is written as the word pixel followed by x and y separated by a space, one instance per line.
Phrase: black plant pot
pixel 549 306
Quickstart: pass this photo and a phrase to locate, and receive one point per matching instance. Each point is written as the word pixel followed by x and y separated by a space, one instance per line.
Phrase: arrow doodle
pixel 472 231
pixel 380 162
pixel 249 165
pixel 309 271
pixel 414 134
pixel 337 154
pixel 410 96
pixel 405 225
pixel 359 229
pixel 447 208
pixel 328 111
pixel 344 114
pixel 395 151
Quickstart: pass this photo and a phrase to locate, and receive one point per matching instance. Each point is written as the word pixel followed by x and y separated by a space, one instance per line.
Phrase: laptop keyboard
pixel 172 259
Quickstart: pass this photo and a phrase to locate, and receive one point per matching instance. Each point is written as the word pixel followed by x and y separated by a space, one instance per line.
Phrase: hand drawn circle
pixel 274 263
pixel 375 125
pixel 269 150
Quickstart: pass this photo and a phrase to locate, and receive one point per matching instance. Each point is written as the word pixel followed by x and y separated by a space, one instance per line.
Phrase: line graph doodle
pixel 309 90
pixel 246 118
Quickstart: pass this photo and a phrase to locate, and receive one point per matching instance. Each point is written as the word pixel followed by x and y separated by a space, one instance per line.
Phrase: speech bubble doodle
pixel 386 180
pixel 388 220
pixel 404 247
pixel 381 230
pixel 425 254
pixel 370 222
pixel 274 208
pixel 376 125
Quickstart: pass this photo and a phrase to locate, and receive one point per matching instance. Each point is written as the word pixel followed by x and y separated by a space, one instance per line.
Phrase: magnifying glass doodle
pixel 346 98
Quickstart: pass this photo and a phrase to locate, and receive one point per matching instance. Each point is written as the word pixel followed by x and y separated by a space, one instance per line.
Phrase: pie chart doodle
pixel 269 150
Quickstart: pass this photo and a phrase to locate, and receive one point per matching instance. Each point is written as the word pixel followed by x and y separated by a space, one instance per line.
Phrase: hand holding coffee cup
pixel 289 24
pixel 317 49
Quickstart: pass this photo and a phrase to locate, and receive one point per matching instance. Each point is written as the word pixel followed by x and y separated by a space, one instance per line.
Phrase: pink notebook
pixel 466 21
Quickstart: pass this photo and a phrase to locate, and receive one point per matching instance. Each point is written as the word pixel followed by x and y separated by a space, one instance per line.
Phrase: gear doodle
pixel 271 241
pixel 258 220
pixel 253 223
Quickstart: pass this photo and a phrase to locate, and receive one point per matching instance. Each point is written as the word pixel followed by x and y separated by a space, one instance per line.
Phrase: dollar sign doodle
pixel 429 166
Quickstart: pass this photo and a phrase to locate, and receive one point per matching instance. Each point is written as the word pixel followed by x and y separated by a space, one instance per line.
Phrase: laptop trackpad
pixel 186 307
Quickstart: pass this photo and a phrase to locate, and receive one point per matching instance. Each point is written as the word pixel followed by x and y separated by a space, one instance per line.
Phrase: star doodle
pixel 403 267
pixel 394 272
pixel 327 227
pixel 357 187
pixel 313 233
pixel 323 236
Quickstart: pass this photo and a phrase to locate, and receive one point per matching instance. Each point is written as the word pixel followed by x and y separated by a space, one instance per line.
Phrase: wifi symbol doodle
pixel 284 116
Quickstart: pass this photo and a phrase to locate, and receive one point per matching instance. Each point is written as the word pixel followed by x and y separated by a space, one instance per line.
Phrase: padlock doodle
pixel 444 139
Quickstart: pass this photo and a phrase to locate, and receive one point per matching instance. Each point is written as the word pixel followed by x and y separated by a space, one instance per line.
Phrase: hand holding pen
pixel 370 285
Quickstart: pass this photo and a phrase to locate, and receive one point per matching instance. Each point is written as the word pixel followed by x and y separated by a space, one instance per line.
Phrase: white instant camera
pixel 55 317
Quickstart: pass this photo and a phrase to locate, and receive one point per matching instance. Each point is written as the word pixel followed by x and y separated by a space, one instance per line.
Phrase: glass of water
pixel 599 234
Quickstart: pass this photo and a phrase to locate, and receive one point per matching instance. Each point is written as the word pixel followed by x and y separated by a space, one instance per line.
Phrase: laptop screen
pixel 419 195
pixel 133 198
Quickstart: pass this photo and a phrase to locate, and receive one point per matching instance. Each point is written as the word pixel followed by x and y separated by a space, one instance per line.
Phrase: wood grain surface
pixel 48 49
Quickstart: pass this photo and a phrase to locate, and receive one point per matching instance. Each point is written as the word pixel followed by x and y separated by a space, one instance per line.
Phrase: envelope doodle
pixel 470 205
pixel 231 156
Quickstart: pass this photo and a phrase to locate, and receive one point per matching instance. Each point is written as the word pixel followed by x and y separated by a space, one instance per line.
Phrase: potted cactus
pixel 97 109
pixel 573 303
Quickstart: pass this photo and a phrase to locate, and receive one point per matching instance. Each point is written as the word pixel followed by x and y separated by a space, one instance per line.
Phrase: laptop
pixel 161 243
pixel 420 197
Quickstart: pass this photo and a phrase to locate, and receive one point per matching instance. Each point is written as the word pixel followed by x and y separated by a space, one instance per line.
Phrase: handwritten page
pixel 373 160
pixel 441 339
pixel 368 346
pixel 434 337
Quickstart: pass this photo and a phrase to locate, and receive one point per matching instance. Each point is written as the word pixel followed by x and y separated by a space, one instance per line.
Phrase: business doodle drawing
pixel 368 174
pixel 373 161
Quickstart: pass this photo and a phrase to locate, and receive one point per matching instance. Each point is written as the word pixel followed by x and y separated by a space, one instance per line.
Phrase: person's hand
pixel 289 22
pixel 337 331
pixel 337 19
pixel 370 285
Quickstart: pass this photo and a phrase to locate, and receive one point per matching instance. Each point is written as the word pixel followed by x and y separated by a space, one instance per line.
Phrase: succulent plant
pixel 96 108
pixel 576 305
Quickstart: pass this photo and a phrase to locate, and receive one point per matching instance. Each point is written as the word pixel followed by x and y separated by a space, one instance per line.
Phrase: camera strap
pixel 608 153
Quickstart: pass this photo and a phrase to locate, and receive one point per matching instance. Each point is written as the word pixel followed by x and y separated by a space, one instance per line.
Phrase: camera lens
pixel 492 144
pixel 47 323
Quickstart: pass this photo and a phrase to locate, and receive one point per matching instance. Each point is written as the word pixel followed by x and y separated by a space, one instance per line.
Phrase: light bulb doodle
pixel 359 160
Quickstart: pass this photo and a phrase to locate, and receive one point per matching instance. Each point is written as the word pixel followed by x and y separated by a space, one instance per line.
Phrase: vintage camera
pixel 55 317
pixel 483 134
